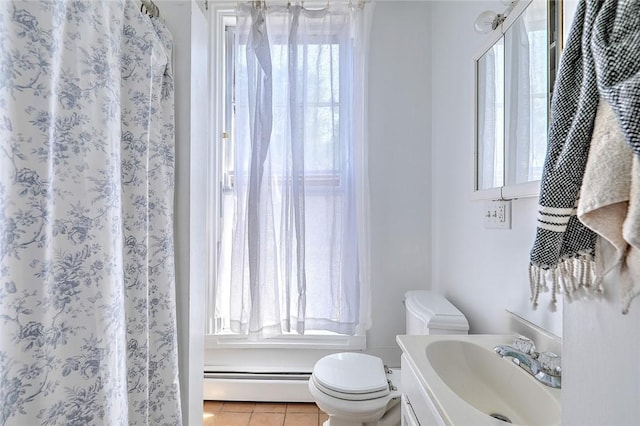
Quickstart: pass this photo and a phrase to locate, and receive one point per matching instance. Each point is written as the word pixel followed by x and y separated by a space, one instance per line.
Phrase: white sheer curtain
pixel 294 251
pixel 526 87
pixel 518 95
pixel 491 117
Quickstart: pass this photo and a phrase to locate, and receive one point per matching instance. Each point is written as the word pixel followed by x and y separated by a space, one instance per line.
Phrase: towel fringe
pixel 575 277
pixel 534 283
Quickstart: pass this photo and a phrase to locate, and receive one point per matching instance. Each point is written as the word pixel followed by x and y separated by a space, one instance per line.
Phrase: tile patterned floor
pixel 226 413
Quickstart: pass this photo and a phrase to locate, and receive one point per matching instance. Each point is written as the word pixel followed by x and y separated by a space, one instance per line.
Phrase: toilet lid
pixel 353 375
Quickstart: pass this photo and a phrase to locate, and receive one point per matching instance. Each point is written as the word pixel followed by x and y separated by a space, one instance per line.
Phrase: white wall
pixel 399 163
pixel 482 271
pixel 188 26
pixel 601 368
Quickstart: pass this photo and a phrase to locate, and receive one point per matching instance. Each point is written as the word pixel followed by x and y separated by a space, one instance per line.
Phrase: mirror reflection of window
pixel 526 85
pixel 491 117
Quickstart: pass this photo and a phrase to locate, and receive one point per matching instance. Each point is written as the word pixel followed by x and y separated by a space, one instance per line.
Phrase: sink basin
pixel 470 384
pixel 491 384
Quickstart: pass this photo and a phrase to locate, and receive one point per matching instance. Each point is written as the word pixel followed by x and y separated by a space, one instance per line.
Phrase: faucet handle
pixel 551 363
pixel 525 345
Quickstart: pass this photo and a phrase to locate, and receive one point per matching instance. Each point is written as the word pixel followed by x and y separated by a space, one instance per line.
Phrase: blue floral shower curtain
pixel 87 297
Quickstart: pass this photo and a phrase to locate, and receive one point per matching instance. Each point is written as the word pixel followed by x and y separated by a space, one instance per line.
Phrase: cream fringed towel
pixel 609 203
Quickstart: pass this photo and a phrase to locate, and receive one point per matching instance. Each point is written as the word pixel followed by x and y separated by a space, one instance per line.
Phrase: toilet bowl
pixel 354 389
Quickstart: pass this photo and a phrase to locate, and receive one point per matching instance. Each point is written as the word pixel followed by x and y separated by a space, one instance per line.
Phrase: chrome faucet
pixel 545 366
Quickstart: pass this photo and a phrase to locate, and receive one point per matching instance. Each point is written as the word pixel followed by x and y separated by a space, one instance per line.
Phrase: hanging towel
pixel 564 249
pixel 609 201
pixel 602 58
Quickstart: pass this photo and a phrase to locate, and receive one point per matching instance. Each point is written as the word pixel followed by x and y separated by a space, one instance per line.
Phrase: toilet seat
pixel 351 376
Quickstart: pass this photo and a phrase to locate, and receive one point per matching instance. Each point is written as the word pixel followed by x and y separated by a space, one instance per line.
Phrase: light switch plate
pixel 497 214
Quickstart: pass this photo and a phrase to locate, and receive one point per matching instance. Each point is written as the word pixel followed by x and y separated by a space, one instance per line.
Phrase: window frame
pixel 317 179
pixel 222 140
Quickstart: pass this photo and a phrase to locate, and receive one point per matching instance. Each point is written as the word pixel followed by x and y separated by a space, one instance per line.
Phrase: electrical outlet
pixel 497 214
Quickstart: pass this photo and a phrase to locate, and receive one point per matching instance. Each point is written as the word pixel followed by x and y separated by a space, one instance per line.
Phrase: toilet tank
pixel 428 312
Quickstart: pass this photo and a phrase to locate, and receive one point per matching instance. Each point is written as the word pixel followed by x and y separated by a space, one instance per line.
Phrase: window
pixel 290 173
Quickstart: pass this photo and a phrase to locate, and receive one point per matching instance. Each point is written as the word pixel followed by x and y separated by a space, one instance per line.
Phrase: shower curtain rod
pixel 312 3
pixel 150 8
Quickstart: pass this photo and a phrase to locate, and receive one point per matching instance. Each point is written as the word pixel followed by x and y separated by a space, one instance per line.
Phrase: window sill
pixel 508 192
pixel 324 342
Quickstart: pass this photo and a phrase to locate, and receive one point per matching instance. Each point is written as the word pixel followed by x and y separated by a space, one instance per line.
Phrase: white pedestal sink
pixel 468 383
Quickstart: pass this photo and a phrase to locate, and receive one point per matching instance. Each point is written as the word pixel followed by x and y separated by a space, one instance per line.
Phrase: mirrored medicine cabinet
pixel 514 76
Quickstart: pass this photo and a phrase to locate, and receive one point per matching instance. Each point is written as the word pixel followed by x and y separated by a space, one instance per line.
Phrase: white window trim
pixel 312 341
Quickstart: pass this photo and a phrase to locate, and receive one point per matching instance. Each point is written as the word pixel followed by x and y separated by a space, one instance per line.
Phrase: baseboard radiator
pixel 258 387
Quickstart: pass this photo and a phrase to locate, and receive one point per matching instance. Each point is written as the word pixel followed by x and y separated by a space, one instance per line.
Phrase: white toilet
pixel 356 389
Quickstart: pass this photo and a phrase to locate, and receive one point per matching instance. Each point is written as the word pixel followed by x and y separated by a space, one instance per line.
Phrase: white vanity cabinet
pixel 417 407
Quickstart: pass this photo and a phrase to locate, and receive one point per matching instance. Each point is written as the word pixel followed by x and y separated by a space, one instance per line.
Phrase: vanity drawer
pixel 409 417
pixel 417 407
